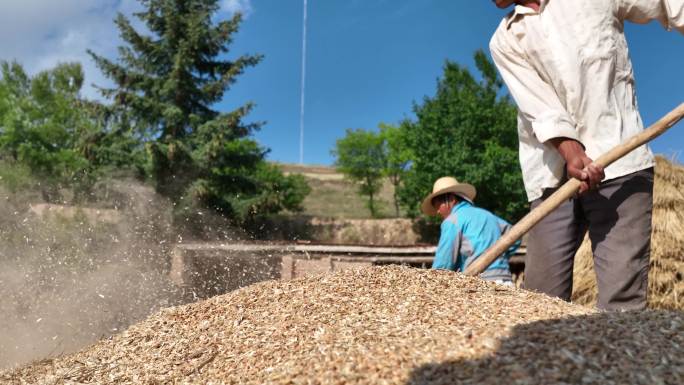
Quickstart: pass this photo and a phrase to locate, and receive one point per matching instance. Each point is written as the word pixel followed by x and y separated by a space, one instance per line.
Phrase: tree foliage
pixel 45 125
pixel 166 83
pixel 398 157
pixel 50 134
pixel 361 157
pixel 467 130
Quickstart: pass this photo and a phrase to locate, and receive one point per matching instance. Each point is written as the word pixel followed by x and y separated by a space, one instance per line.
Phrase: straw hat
pixel 445 185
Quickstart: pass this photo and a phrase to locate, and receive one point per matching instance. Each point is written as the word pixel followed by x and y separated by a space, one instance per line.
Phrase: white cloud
pixel 39 34
pixel 234 6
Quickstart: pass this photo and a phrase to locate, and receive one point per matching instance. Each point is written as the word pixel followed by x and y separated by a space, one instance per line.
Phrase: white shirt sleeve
pixel 537 101
pixel 670 13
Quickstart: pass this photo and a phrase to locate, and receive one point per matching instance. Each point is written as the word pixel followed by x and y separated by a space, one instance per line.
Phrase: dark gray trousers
pixel 618 218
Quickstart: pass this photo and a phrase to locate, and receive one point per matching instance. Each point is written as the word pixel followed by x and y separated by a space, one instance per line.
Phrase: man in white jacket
pixel 567 66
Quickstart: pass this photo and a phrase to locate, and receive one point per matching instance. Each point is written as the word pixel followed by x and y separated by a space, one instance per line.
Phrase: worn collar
pixel 520 10
pixel 462 203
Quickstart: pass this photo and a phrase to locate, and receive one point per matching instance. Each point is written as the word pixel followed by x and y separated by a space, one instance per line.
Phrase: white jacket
pixel 569 71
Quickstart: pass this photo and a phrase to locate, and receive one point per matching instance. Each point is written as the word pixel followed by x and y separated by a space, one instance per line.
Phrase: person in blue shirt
pixel 467 230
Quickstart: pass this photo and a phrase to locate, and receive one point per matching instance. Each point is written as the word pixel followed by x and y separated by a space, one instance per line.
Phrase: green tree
pixel 277 192
pixel 166 83
pixel 45 126
pixel 361 158
pixel 397 156
pixel 467 130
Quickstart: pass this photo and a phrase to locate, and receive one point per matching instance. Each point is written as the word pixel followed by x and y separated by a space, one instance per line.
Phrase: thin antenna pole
pixel 301 110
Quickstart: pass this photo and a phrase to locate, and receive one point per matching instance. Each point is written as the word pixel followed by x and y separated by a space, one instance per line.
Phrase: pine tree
pixel 166 84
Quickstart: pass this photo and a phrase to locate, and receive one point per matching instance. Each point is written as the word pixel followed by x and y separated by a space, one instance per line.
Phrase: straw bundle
pixel 379 325
pixel 666 276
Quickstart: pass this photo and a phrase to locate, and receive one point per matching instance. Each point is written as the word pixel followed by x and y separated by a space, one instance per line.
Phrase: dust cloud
pixel 70 276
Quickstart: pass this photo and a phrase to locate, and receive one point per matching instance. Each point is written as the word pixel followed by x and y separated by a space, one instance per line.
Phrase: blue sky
pixel 367 60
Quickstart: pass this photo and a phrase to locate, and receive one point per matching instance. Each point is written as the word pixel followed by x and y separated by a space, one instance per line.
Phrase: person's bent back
pixel 466 231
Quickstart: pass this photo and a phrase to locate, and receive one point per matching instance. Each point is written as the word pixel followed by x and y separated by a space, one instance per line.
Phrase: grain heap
pixel 666 277
pixel 379 325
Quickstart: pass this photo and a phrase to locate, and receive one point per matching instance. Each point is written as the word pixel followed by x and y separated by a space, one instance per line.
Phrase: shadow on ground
pixel 608 348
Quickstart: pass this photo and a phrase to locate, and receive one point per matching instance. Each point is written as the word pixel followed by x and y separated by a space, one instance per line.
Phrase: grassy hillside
pixel 334 196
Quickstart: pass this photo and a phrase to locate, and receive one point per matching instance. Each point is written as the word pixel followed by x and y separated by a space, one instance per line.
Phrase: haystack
pixel 666 276
pixel 379 325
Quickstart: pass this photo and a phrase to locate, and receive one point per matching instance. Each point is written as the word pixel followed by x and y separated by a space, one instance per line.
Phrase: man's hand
pixel 578 164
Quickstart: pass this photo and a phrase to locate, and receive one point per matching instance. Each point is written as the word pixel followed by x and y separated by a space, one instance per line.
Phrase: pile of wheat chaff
pixel 666 276
pixel 380 325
